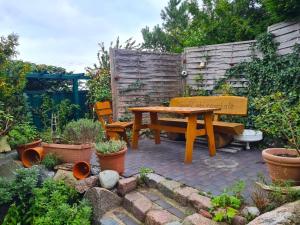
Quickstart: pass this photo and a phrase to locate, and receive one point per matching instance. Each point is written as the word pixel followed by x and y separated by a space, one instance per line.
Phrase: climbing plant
pixel 267 74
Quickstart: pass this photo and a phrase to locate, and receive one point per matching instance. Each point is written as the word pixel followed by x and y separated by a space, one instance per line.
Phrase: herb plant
pixel 50 161
pixel 144 171
pixel 83 131
pixel 21 134
pixel 110 146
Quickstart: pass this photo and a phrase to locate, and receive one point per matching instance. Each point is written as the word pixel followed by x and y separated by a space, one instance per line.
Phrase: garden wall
pixel 149 78
pixel 143 78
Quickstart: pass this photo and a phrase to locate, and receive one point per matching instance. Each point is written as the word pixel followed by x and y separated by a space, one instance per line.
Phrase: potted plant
pixel 111 155
pixel 76 142
pixel 279 118
pixel 23 136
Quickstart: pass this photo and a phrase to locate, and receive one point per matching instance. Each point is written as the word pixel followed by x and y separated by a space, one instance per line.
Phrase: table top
pixel 165 109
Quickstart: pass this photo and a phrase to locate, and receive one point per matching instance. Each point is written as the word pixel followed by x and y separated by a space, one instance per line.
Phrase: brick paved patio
pixel 205 173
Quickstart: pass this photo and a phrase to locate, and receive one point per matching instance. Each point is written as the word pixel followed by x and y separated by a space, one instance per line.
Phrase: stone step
pixel 119 216
pixel 150 206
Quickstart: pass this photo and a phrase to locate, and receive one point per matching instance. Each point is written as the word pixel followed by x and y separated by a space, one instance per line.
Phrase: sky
pixel 66 33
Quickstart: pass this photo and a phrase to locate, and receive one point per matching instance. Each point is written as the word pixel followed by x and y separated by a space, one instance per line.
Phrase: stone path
pixel 210 174
pixel 163 201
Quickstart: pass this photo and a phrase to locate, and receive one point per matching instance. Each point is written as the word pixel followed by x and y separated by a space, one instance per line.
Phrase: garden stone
pixel 44 173
pixel 159 217
pixel 107 221
pixel 8 167
pixel 167 187
pixel 152 179
pixel 287 214
pixel 95 170
pixel 66 176
pixel 205 213
pixel 239 220
pixel 108 178
pixel 127 185
pixel 102 201
pixel 87 183
pixel 250 210
pixel 182 194
pixel 199 201
pixel 197 219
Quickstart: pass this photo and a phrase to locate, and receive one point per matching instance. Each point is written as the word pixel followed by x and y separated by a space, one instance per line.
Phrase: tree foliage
pixel 190 23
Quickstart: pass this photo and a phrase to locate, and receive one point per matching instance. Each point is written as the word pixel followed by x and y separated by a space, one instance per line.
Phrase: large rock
pixel 102 201
pixel 197 219
pixel 87 183
pixel 250 211
pixel 108 178
pixel 288 214
pixel 8 167
pixel 66 176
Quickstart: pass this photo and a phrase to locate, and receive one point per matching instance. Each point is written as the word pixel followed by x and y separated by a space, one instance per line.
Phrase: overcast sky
pixel 66 33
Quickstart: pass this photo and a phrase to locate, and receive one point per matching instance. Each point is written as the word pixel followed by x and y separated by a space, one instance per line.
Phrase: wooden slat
pixel 180 110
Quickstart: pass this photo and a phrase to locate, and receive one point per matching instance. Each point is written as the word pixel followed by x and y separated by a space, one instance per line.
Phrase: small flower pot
pixel 81 170
pixel 32 156
pixel 70 153
pixel 281 167
pixel 114 161
pixel 22 148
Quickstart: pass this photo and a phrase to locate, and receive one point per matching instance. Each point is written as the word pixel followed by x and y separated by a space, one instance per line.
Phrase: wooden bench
pixel 228 105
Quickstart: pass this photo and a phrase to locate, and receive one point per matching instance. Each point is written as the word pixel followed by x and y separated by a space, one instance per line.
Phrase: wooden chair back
pixel 104 112
pixel 228 105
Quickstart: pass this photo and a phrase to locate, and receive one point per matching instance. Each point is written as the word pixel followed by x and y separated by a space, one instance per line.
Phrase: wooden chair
pixel 114 130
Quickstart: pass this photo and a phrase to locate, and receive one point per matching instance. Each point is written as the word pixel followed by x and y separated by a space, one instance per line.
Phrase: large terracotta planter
pixel 282 168
pixel 114 161
pixel 22 148
pixel 70 153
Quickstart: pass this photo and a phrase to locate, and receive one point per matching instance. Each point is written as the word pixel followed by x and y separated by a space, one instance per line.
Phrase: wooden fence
pixel 143 78
pixel 148 78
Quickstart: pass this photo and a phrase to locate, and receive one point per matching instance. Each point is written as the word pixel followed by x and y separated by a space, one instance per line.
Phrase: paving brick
pixel 197 219
pixel 125 218
pixel 181 194
pixel 130 198
pixel 140 207
pixel 127 185
pixel 176 212
pixel 167 187
pixel 162 203
pixel 205 213
pixel 199 201
pixel 151 196
pixel 153 179
pixel 108 221
pixel 159 217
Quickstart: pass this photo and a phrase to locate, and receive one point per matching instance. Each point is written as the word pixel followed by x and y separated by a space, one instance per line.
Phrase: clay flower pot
pixel 282 168
pixel 70 153
pixel 114 161
pixel 32 156
pixel 22 148
pixel 81 170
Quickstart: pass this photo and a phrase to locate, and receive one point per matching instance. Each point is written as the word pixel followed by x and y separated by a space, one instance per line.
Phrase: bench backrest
pixel 228 105
pixel 104 112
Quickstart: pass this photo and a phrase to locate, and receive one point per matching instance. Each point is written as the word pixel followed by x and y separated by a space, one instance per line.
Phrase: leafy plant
pixel 279 118
pixel 110 146
pixel 236 189
pixel 144 171
pixel 22 134
pixel 50 161
pixel 83 131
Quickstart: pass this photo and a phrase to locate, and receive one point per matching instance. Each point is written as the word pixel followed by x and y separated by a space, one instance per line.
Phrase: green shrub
pixel 110 146
pixel 22 134
pixel 83 131
pixel 50 161
pixel 144 171
pixel 279 119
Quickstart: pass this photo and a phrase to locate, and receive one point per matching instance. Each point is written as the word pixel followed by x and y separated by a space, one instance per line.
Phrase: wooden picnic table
pixel 191 131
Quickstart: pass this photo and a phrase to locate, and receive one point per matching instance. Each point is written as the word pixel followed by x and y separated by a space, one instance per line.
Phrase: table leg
pixel 153 118
pixel 208 124
pixel 136 128
pixel 190 138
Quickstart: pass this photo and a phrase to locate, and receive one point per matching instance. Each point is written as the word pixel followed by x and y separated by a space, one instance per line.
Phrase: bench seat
pixel 219 126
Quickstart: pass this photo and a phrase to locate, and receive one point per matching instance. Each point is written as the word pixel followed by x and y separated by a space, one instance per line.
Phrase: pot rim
pixel 37 141
pixel 269 156
pixel 122 151
pixel 68 146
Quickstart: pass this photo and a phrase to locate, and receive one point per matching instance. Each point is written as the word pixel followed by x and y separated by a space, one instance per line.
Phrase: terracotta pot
pixel 282 168
pixel 22 148
pixel 70 153
pixel 81 170
pixel 114 161
pixel 32 156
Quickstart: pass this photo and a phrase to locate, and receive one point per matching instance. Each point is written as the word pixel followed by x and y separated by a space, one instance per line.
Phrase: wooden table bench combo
pixel 211 107
pixel 190 130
